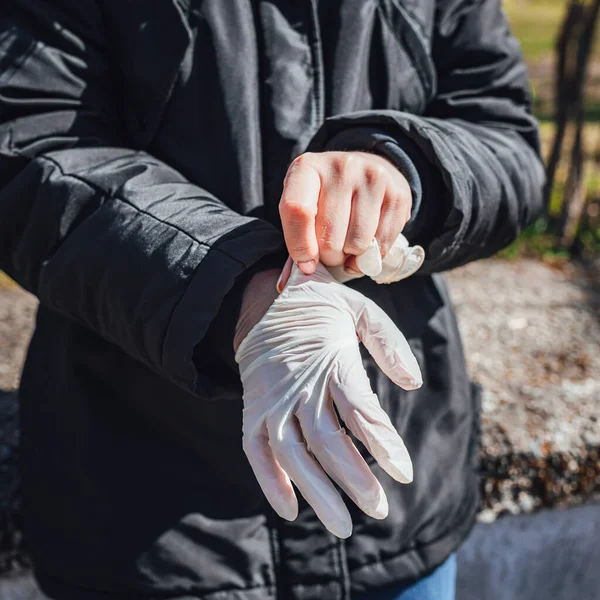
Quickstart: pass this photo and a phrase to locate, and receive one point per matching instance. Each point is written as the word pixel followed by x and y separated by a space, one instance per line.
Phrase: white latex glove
pixel 301 358
pixel 400 262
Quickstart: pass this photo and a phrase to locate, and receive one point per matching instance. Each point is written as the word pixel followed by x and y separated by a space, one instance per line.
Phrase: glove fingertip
pixel 400 469
pixel 402 367
pixel 382 509
pixel 370 262
pixel 410 384
pixel 341 529
pixel 286 508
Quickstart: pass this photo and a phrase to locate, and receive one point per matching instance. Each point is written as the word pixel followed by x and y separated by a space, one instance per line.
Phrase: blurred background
pixel 531 324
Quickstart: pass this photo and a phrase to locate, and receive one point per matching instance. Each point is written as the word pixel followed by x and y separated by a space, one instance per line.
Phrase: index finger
pixel 298 209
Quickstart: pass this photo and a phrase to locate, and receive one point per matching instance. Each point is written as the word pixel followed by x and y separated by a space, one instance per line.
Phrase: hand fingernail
pixel 352 271
pixel 307 266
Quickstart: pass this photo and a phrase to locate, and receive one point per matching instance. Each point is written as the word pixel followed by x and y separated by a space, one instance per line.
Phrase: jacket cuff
pixel 199 335
pixel 410 161
pixel 219 337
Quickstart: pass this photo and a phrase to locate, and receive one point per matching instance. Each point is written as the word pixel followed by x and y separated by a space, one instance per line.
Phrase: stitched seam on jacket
pixel 316 60
pixel 216 594
pixel 418 63
pixel 417 21
pixel 111 196
pixel 417 547
pixel 155 594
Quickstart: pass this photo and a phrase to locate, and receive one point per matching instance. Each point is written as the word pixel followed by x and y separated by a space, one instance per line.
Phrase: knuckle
pixel 300 249
pixel 356 245
pixel 373 175
pixel 298 165
pixel 294 211
pixel 341 163
pixel 329 244
pixel 385 177
pixel 385 244
pixel 301 161
pixel 394 202
pixel 348 160
pixel 337 168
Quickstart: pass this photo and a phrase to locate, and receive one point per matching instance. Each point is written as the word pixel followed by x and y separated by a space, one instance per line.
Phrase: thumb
pixel 388 347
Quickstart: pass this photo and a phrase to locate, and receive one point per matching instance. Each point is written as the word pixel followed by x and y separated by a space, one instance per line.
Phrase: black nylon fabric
pixel 143 147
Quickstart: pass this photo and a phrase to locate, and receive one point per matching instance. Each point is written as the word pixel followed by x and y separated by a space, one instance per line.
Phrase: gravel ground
pixel 532 337
pixel 532 340
pixel 17 313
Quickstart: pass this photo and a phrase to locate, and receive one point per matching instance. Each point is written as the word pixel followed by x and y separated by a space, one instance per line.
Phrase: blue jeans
pixel 439 585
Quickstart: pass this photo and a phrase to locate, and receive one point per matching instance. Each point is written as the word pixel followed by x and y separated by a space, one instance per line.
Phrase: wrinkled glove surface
pixel 400 262
pixel 295 364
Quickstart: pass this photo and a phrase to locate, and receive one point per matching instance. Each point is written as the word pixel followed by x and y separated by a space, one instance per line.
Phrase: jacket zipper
pixel 316 51
pixel 413 42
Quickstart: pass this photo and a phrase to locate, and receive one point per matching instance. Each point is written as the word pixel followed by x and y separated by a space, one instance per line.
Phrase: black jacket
pixel 143 146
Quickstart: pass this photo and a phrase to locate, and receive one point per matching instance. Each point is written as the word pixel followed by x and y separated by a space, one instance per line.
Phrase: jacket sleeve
pixel 103 234
pixel 476 146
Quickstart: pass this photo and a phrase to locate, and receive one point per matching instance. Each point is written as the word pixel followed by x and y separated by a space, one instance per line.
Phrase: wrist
pixel 258 296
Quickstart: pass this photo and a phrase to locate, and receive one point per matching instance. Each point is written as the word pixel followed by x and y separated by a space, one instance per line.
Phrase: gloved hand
pixel 295 364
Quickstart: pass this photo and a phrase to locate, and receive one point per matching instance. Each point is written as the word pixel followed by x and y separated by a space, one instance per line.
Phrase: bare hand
pixel 334 204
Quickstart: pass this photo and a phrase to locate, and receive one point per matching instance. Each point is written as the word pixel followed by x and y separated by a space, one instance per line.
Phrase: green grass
pixel 536 24
pixel 534 242
pixel 6 281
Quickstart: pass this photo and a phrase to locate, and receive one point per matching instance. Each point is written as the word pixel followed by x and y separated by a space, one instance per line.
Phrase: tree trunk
pixel 575 196
pixel 564 89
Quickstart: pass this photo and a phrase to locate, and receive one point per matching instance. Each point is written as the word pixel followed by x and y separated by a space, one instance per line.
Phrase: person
pixel 158 163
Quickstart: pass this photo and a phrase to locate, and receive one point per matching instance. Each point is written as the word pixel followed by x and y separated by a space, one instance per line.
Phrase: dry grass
pixel 6 281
